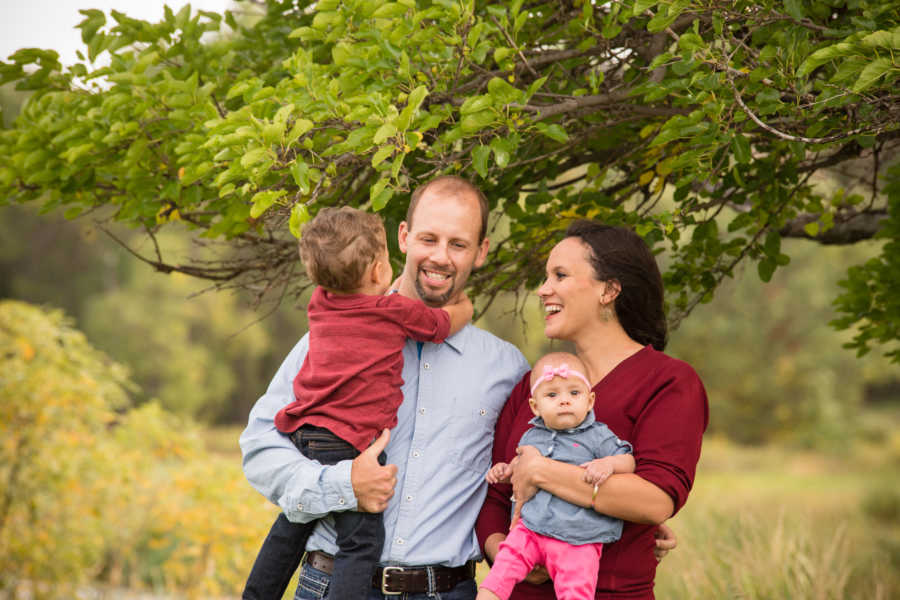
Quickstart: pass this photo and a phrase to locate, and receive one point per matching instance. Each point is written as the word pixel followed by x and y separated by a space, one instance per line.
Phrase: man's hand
pixel 499 473
pixel 373 484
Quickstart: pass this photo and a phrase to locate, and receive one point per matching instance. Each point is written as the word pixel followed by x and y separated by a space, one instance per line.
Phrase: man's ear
pixel 402 232
pixel 533 404
pixel 482 252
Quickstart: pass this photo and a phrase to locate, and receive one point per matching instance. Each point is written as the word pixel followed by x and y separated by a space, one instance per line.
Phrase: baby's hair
pixel 557 358
pixel 339 244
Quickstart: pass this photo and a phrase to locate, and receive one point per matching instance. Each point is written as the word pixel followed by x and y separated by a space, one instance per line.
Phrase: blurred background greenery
pixel 123 391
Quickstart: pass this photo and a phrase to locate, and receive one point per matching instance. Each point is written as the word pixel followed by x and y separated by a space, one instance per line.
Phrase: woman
pixel 604 293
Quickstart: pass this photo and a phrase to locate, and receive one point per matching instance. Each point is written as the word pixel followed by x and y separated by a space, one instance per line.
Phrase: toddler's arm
pixel 598 470
pixel 460 312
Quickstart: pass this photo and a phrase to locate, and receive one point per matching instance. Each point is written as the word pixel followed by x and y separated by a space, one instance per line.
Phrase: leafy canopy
pixel 706 126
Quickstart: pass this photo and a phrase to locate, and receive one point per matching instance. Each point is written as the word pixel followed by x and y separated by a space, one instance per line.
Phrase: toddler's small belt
pixel 395 580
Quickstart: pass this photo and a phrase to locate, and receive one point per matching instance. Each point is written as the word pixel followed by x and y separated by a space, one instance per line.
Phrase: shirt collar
pixel 589 420
pixel 457 341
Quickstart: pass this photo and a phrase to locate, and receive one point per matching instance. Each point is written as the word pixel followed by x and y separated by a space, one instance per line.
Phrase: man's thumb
pixel 378 445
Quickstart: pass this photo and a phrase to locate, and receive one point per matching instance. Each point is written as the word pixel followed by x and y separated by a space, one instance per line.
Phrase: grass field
pixel 775 522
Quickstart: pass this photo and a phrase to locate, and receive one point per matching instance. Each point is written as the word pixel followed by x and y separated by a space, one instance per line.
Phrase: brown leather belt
pixel 399 580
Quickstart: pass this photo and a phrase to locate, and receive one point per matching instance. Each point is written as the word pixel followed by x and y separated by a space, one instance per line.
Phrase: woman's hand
pixel 525 467
pixel 665 541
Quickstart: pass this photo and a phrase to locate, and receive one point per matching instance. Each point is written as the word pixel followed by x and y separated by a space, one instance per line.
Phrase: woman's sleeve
pixel 496 511
pixel 668 432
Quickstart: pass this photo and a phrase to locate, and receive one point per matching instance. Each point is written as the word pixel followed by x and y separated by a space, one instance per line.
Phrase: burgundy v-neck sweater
pixel 651 400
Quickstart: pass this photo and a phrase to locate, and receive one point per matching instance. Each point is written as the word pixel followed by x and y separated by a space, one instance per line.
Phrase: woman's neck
pixel 603 348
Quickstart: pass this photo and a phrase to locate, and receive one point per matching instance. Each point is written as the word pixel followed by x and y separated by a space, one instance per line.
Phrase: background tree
pixel 557 109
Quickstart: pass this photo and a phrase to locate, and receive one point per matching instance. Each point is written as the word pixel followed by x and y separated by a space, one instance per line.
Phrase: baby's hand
pixel 499 473
pixel 597 471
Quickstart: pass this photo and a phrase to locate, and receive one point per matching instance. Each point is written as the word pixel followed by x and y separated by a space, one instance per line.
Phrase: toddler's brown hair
pixel 339 244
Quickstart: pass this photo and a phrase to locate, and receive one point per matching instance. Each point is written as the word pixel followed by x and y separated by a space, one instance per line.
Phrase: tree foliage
pixel 557 109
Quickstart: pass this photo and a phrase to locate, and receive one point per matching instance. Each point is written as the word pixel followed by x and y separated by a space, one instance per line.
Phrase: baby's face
pixel 562 403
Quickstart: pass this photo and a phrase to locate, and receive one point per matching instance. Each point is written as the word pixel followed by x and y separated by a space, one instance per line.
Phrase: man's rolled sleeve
pixel 304 489
pixel 332 492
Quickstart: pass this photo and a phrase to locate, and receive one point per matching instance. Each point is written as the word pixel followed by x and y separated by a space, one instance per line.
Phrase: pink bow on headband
pixel 563 371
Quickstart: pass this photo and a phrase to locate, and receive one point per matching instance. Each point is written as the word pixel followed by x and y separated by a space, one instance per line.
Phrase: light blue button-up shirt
pixel 452 396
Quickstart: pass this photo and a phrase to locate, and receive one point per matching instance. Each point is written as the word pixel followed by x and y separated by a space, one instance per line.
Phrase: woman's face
pixel 571 295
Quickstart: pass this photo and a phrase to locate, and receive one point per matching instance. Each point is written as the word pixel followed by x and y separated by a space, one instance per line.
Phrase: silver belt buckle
pixel 384 576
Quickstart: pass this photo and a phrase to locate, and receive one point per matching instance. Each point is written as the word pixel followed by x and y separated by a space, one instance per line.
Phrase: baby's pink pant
pixel 573 569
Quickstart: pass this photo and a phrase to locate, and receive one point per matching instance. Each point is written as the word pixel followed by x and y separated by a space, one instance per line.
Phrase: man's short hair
pixel 451 184
pixel 339 244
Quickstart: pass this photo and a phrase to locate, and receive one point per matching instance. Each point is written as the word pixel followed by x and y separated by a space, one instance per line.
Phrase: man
pixel 432 486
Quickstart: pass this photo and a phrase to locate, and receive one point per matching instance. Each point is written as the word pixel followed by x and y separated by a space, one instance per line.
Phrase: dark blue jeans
pixel 314 584
pixel 360 536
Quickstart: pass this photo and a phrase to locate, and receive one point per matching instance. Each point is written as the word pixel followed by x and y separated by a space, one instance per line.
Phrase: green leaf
pixel 253 157
pixel 872 72
pixel 534 87
pixel 502 151
pixel 477 121
pixel 474 104
pixel 389 10
pixel 690 41
pixel 822 56
pixel 766 268
pixel 300 127
pixel 263 200
pixel 300 174
pixel 640 6
pixel 740 145
pixel 795 9
pixel 381 155
pixel 501 53
pixel 554 132
pixel 502 92
pixel 480 157
pixel 299 216
pixel 384 132
pixel 379 194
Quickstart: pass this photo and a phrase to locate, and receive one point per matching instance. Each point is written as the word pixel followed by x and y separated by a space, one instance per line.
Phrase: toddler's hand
pixel 597 471
pixel 499 473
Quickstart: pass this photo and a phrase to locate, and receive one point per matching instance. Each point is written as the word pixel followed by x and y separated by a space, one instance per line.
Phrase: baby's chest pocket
pixel 473 430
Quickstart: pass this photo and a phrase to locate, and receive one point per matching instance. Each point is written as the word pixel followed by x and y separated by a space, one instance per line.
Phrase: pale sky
pixel 50 24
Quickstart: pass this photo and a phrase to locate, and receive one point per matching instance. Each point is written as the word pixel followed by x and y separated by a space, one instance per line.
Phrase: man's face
pixel 441 245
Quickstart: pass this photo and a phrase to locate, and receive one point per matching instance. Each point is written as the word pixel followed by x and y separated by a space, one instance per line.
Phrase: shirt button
pixel 340 501
pixel 426 366
pixel 299 507
pixel 482 412
pixel 415 454
pixel 399 541
pixel 409 498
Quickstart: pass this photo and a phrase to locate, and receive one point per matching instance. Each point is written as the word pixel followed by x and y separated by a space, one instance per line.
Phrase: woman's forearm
pixel 625 496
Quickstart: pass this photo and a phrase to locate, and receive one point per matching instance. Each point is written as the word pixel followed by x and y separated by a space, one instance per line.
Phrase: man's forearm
pixel 303 488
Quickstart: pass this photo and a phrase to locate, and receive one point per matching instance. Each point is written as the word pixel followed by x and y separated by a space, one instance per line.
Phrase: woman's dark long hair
pixel 619 253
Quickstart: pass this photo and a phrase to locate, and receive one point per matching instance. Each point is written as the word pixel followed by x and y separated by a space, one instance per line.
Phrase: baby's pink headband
pixel 563 371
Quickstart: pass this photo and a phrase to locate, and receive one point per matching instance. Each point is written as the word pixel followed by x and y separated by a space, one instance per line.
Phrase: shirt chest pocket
pixel 473 434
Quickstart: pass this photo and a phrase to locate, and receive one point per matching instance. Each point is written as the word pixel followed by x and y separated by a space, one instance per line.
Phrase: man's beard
pixel 432 299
